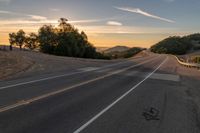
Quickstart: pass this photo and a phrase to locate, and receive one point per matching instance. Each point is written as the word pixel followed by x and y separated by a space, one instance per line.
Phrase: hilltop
pixel 178 45
pixel 117 49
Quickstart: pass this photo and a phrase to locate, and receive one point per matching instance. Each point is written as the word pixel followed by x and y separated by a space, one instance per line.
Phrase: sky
pixel 106 22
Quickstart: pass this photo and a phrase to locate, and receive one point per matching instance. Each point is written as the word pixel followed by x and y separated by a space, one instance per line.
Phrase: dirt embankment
pixel 18 63
pixel 27 63
pixel 12 63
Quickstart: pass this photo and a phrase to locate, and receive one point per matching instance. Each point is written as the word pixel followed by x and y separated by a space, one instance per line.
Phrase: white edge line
pixel 58 76
pixel 43 79
pixel 116 101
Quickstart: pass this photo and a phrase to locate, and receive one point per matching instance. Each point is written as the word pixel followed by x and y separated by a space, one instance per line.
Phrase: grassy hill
pixel 123 53
pixel 178 45
pixel 116 49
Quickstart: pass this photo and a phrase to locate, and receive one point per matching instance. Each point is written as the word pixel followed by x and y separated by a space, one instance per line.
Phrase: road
pixel 152 94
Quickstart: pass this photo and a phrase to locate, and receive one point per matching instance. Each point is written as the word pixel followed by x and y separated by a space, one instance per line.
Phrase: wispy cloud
pixel 139 11
pixel 54 9
pixel 4 12
pixel 169 0
pixel 114 23
pixel 4 0
pixel 38 21
pixel 104 29
pixel 36 17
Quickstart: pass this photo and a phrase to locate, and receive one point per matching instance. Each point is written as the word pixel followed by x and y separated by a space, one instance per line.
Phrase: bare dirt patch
pixel 12 63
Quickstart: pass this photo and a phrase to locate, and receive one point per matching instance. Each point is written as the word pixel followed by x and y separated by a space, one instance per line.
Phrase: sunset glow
pixel 106 23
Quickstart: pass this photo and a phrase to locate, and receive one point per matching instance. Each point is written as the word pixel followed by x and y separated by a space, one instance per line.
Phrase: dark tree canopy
pixel 20 38
pixel 65 40
pixel 31 41
pixel 173 45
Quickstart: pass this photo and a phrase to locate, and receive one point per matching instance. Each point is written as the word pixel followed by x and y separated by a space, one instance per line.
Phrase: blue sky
pixel 107 22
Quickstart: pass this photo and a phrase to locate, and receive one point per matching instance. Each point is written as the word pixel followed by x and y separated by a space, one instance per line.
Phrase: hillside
pixel 101 49
pixel 28 63
pixel 130 52
pixel 116 49
pixel 178 45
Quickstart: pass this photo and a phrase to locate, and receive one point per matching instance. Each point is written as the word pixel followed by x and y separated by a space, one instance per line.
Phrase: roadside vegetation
pixel 196 59
pixel 177 45
pixel 64 40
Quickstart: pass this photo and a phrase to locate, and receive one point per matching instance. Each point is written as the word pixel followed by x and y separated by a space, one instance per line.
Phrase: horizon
pixel 107 23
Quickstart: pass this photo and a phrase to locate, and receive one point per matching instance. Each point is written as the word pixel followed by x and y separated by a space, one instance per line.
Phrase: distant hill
pixel 124 53
pixel 101 49
pixel 178 45
pixel 117 49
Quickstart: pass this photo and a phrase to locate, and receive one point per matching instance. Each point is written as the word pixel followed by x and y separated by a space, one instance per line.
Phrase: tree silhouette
pixel 32 41
pixel 47 39
pixel 12 39
pixel 20 38
pixel 65 40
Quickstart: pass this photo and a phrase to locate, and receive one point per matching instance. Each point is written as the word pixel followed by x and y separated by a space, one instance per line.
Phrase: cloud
pixel 85 21
pixel 139 11
pixel 54 9
pixel 4 0
pixel 169 0
pixel 5 12
pixel 42 19
pixel 36 17
pixel 105 29
pixel 114 23
pixel 39 21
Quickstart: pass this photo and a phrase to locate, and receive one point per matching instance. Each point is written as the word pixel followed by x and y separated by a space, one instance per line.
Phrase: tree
pixel 12 40
pixel 20 38
pixel 65 26
pixel 47 39
pixel 65 40
pixel 32 41
pixel 84 36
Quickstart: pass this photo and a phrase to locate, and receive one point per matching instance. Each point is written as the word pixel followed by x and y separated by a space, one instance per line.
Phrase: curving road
pixel 152 94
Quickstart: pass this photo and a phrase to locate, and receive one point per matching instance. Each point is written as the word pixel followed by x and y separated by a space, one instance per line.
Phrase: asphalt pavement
pixel 144 95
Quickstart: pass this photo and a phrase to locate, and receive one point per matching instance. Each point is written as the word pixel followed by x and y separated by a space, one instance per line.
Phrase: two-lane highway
pixel 134 96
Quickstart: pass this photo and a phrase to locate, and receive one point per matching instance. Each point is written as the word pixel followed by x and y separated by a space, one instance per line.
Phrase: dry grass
pixel 12 63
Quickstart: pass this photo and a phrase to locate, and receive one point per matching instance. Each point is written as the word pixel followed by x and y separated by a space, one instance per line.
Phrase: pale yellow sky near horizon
pixel 104 36
pixel 106 40
pixel 100 39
